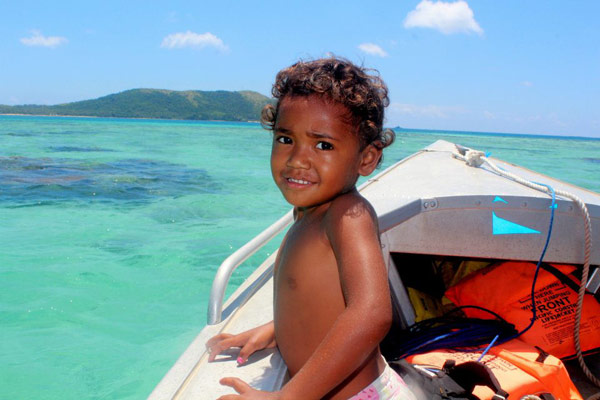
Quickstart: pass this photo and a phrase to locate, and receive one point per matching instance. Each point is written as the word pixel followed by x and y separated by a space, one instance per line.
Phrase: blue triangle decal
pixel 502 226
pixel 499 199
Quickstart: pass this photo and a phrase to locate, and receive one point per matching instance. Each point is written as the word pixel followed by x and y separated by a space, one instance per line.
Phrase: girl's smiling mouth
pixel 297 182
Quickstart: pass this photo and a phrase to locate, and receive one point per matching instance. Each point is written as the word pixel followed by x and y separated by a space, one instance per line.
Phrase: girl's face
pixel 316 153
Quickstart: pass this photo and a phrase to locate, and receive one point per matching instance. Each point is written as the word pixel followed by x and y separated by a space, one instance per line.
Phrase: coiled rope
pixel 476 158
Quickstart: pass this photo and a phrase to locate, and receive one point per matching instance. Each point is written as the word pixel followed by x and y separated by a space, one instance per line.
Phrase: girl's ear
pixel 369 159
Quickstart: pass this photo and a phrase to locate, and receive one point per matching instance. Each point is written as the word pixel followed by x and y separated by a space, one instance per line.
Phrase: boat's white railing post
pixel 217 293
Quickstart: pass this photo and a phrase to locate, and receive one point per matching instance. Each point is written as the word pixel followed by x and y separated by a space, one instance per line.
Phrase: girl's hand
pixel 261 337
pixel 245 391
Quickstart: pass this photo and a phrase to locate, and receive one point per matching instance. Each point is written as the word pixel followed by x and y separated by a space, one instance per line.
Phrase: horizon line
pixel 257 122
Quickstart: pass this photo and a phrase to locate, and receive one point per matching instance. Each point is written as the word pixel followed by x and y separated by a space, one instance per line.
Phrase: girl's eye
pixel 284 139
pixel 324 146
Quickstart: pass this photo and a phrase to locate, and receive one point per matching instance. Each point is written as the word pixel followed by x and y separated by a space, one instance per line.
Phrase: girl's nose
pixel 299 158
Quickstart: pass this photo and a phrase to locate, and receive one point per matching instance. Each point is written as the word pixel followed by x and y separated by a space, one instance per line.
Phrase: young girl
pixel 331 297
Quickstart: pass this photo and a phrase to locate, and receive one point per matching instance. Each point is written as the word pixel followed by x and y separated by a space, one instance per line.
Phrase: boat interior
pixel 418 287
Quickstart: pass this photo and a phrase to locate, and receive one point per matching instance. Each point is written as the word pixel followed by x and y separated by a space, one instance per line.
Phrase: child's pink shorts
pixel 389 386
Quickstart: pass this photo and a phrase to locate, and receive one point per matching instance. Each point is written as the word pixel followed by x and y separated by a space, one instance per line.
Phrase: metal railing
pixel 217 292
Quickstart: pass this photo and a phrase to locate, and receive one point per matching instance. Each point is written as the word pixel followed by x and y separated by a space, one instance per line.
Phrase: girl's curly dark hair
pixel 360 90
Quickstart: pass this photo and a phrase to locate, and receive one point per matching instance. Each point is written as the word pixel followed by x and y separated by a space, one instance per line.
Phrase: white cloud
pixel 447 18
pixel 37 39
pixel 372 49
pixel 527 84
pixel 192 39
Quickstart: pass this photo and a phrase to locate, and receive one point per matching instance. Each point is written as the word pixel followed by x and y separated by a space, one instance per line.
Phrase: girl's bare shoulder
pixel 350 210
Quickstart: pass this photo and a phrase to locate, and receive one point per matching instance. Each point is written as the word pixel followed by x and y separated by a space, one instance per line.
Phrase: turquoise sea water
pixel 111 231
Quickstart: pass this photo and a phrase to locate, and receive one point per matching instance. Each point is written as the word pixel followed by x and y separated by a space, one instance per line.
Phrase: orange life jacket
pixel 520 368
pixel 505 288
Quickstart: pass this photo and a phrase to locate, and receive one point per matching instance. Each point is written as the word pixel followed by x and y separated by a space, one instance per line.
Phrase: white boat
pixel 430 203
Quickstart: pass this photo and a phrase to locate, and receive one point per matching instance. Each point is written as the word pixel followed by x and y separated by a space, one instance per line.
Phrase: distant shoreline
pixel 506 134
pixel 139 118
pixel 396 129
pixel 162 104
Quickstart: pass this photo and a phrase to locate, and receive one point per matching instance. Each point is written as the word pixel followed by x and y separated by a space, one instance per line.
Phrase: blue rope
pixel 539 264
pixel 452 332
pixel 488 348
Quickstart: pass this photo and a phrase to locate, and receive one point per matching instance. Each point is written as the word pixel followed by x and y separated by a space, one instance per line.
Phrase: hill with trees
pixel 158 103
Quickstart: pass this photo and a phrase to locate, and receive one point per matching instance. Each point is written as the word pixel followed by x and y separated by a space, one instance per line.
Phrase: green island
pixel 158 103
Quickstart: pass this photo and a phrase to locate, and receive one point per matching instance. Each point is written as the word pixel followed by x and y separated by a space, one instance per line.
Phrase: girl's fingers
pixel 251 346
pixel 247 350
pixel 213 352
pixel 218 347
pixel 216 339
pixel 237 384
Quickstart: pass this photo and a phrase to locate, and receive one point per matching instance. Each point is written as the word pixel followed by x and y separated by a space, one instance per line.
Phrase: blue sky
pixel 494 66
